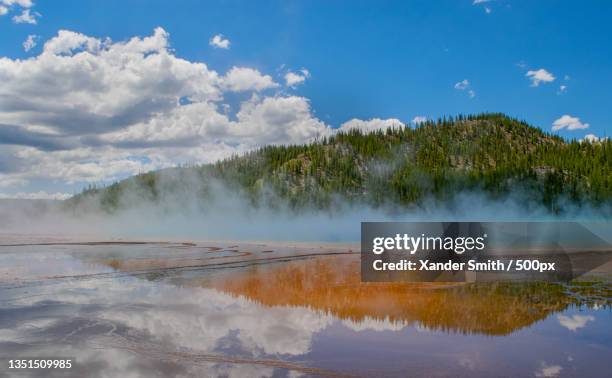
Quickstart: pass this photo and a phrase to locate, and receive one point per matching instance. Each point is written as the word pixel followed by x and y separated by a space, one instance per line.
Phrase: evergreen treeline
pixel 485 152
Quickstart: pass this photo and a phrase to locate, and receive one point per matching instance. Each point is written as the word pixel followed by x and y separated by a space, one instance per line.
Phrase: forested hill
pixel 488 153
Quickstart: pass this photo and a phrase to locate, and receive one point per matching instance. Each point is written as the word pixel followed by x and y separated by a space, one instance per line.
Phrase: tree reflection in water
pixel 332 285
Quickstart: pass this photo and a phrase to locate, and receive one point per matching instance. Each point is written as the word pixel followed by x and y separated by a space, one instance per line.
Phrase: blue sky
pixel 365 59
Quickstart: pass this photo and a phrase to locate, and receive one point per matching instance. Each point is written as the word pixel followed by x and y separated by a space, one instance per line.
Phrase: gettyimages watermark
pixel 487 251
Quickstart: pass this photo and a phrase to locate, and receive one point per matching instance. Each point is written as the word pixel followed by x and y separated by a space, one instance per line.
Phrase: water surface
pixel 260 309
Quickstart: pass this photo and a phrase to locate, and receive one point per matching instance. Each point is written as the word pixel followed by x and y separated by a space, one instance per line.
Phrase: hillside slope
pixel 488 153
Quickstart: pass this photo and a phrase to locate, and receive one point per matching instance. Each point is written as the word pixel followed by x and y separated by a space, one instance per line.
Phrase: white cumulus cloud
pixel 293 79
pixel 240 79
pixel 82 85
pixel 418 120
pixel 278 120
pixel 461 85
pixel 67 42
pixel 465 85
pixel 373 124
pixel 26 17
pixel 24 5
pixel 569 123
pixel 89 109
pixel 539 76
pixel 6 5
pixel 219 42
pixel 592 138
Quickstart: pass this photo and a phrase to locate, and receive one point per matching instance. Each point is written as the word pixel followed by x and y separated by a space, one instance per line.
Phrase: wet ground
pixel 148 309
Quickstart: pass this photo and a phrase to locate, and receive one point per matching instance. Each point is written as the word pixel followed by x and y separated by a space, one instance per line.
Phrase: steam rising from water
pixel 208 209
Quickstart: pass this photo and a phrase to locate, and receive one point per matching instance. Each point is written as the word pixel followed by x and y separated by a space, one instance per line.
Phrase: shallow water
pixel 225 309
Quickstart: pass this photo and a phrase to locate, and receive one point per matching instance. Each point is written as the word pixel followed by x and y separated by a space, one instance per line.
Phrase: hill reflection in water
pixel 333 285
